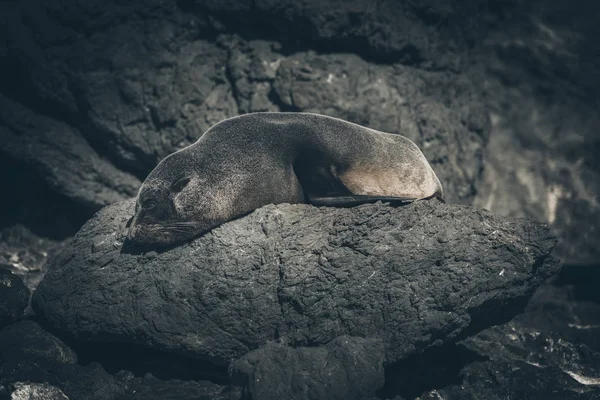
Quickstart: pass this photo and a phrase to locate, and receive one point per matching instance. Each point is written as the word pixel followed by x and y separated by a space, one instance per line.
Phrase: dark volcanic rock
pixel 26 340
pixel 35 363
pixel 68 164
pixel 151 388
pixel 414 31
pixel 14 297
pixel 25 254
pixel 542 95
pixel 413 277
pixel 36 391
pixel 30 354
pixel 552 351
pixel 346 368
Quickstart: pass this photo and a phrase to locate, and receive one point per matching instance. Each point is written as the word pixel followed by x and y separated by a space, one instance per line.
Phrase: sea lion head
pixel 168 207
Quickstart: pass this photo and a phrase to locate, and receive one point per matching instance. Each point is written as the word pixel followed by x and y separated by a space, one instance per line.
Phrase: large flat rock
pixel 413 277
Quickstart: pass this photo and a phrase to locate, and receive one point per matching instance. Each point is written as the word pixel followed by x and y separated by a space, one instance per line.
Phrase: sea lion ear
pixel 180 185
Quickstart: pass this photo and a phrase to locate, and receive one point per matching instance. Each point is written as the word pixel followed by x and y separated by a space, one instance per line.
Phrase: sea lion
pixel 248 161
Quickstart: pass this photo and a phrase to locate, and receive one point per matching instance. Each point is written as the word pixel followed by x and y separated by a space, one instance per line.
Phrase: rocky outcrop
pixel 57 152
pixel 541 158
pixel 25 254
pixel 345 368
pixel 34 364
pixel 410 277
pixel 14 297
pixel 550 351
pixel 36 391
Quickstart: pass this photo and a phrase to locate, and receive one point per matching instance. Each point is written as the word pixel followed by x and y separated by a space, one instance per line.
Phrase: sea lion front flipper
pixel 354 200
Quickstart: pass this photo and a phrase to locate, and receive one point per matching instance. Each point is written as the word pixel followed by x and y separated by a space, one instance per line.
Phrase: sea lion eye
pixel 180 184
pixel 149 204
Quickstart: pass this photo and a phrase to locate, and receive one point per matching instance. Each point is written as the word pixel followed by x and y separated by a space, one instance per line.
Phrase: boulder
pixel 346 368
pixel 14 297
pixel 410 277
pixel 28 353
pixel 34 364
pixel 551 351
pixel 65 160
pixel 36 391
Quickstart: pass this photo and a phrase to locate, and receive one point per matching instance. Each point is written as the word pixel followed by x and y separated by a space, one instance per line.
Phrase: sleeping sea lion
pixel 248 161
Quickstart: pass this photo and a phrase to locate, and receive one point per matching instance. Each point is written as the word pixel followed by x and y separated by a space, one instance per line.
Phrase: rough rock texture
pixel 30 354
pixel 62 157
pixel 413 276
pixel 37 364
pixel 552 351
pixel 17 343
pixel 25 254
pixel 36 391
pixel 14 297
pixel 346 368
pixel 541 158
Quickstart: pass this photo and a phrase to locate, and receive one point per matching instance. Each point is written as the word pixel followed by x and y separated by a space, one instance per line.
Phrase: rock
pixel 412 276
pixel 36 391
pixel 30 354
pixel 14 297
pixel 25 254
pixel 58 153
pixel 130 99
pixel 412 33
pixel 150 388
pixel 35 363
pixel 499 380
pixel 26 340
pixel 346 368
pixel 551 351
pixel 542 154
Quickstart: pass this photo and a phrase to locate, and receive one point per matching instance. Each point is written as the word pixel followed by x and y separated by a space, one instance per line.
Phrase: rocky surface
pixel 36 391
pixel 413 277
pixel 542 154
pixel 552 351
pixel 345 368
pixel 26 254
pixel 14 297
pixel 34 364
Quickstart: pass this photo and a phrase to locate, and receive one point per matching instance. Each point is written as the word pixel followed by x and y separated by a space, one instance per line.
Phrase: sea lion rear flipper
pixel 354 200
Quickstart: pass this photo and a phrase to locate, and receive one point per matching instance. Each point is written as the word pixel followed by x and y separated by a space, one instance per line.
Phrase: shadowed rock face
pixel 34 364
pixel 411 277
pixel 14 297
